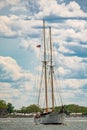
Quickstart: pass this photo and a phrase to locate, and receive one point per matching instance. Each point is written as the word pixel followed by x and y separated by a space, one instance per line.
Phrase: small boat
pixel 49 117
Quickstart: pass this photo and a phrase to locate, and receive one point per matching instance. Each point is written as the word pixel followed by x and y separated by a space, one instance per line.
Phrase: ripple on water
pixel 28 124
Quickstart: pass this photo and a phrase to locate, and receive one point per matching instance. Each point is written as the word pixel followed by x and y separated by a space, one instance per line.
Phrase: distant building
pixel 75 114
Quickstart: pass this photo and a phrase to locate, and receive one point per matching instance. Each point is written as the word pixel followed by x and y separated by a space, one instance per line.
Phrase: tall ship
pixel 49 116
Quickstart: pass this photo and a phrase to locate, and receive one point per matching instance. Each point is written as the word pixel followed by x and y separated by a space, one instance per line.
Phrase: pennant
pixel 38 46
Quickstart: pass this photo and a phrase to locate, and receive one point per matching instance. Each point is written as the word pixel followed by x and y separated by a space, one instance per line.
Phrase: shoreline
pixel 16 116
pixel 31 116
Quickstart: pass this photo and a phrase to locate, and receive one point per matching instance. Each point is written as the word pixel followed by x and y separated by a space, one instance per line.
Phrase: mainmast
pixel 45 71
pixel 51 69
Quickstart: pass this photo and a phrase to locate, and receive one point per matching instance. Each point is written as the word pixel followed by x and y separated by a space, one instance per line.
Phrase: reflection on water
pixel 28 124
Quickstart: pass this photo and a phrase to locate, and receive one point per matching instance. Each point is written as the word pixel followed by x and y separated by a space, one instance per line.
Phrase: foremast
pixel 45 66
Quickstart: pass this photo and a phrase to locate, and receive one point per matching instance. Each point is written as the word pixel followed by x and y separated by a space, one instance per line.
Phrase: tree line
pixel 6 108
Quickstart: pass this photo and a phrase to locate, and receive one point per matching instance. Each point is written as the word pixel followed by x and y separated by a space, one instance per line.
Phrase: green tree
pixel 10 108
pixel 2 104
pixel 33 108
pixel 3 107
pixel 57 109
pixel 23 110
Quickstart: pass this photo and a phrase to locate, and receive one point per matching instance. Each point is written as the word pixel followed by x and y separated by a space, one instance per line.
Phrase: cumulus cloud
pixel 71 90
pixel 70 10
pixel 9 68
pixel 7 26
pixel 10 26
pixel 14 82
pixel 11 2
pixel 17 8
pixel 4 3
pixel 70 67
pixel 41 8
pixel 15 95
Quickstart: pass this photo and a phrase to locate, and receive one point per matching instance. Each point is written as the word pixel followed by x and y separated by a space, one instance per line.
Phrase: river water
pixel 28 124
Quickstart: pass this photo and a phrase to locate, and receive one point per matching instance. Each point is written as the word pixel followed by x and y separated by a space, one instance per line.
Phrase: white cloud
pixel 63 71
pixel 72 91
pixel 12 95
pixel 73 84
pixel 65 50
pixel 75 10
pixel 17 8
pixel 74 29
pixel 12 2
pixel 9 67
pixel 17 84
pixel 19 96
pixel 4 3
pixel 12 71
pixel 8 2
pixel 41 8
pixel 6 24
pixel 76 24
pixel 70 10
pixel 16 26
pixel 1 4
pixel 70 66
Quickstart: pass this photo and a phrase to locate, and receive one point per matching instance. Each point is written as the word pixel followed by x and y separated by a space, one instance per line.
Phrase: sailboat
pixel 49 117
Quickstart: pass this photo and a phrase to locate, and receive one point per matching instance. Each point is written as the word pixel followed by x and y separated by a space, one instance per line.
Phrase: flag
pixel 38 46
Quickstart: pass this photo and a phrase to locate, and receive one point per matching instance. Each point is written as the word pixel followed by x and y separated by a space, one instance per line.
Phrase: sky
pixel 21 24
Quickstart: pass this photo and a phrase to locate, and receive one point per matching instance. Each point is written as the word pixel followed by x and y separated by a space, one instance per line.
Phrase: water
pixel 28 124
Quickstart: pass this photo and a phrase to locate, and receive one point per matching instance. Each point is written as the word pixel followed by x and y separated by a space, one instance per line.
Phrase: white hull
pixel 52 118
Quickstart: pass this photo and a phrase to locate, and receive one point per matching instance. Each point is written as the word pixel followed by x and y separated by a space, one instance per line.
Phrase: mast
pixel 51 69
pixel 45 71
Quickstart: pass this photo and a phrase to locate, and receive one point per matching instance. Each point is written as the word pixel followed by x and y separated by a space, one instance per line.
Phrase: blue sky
pixel 20 32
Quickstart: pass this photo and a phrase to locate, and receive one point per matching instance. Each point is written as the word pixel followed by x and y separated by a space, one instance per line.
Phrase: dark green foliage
pixel 3 104
pixel 77 109
pixel 3 107
pixel 10 108
pixel 57 109
pixel 30 109
pixel 72 108
pixel 33 108
pixel 23 110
